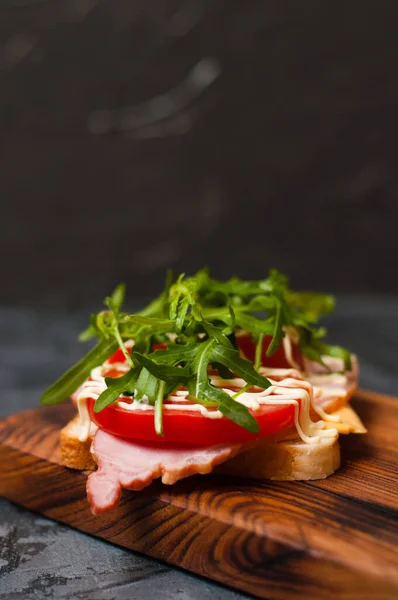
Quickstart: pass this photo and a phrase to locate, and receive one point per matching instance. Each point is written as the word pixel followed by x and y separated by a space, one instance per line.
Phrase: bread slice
pixel 285 457
pixel 286 460
pixel 282 456
pixel 74 453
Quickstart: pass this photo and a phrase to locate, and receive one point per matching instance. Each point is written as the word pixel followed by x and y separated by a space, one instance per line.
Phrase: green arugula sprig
pixel 269 307
pixel 197 318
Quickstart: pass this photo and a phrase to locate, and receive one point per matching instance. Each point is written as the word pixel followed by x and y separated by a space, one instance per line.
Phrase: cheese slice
pixel 349 421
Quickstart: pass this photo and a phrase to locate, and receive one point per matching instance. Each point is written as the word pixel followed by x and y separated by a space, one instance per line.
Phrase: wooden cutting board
pixel 336 538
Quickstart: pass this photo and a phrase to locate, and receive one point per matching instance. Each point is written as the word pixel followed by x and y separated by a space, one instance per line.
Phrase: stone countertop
pixel 42 559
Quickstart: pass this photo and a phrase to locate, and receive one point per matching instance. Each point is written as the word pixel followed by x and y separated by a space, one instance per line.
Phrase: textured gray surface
pixel 41 559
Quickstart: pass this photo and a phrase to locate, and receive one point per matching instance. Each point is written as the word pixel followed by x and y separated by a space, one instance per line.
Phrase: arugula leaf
pixel 200 387
pixel 156 323
pixel 238 287
pixel 259 351
pixel 230 408
pixel 182 297
pixel 278 333
pixel 312 353
pixel 252 324
pixel 91 331
pixel 115 301
pixel 231 359
pixel 115 388
pixel 199 366
pixel 261 303
pixel 338 352
pixel 232 317
pixel 225 314
pixel 147 385
pixel 159 306
pixel 223 371
pixel 216 333
pixel 74 377
pixel 107 322
pixel 167 373
pixel 313 303
pixel 175 354
pixel 313 348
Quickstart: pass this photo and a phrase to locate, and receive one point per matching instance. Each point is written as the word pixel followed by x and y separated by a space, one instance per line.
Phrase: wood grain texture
pixel 332 538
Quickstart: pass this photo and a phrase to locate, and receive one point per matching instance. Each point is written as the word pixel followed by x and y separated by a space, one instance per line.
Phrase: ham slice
pixel 133 465
pixel 335 387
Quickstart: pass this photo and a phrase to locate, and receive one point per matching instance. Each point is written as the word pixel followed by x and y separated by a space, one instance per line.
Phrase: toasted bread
pixel 74 453
pixel 286 460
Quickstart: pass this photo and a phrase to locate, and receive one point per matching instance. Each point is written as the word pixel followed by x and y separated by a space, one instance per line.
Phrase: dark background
pixel 146 134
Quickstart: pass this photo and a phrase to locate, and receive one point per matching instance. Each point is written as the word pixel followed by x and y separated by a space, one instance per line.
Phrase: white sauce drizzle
pixel 92 388
pixel 291 390
pixel 316 380
pixel 89 389
pixel 288 349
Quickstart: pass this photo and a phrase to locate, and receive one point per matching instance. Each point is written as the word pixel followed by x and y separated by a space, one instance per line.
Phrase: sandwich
pixel 232 377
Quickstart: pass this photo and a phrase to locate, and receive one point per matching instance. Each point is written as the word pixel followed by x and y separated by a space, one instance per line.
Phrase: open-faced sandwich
pixel 228 376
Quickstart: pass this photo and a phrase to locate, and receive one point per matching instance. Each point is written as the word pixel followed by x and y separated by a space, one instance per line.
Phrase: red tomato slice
pixel 159 347
pixel 277 360
pixel 118 356
pixel 189 427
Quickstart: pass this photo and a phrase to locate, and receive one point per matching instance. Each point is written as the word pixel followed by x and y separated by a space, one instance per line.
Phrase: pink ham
pixel 327 389
pixel 134 465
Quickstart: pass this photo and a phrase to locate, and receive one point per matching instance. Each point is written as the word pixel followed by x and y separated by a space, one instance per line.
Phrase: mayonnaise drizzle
pixel 288 349
pixel 291 390
pixel 93 388
pixel 89 389
pixel 320 382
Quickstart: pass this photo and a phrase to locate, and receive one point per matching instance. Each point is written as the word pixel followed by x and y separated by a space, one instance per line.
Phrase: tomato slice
pixel 277 361
pixel 118 356
pixel 189 426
